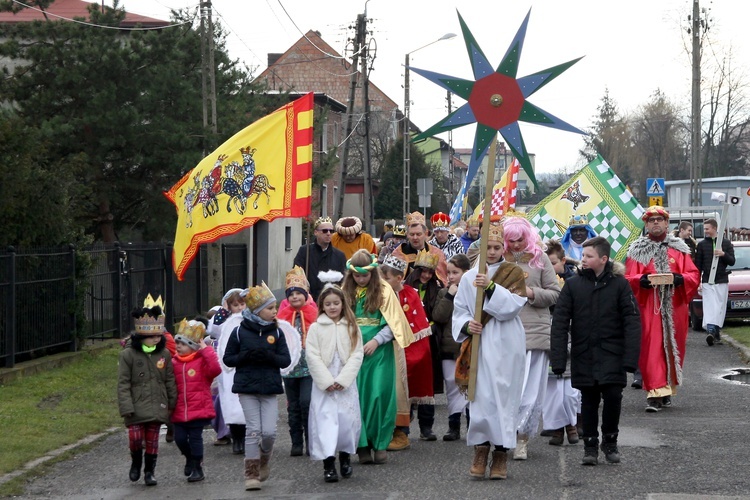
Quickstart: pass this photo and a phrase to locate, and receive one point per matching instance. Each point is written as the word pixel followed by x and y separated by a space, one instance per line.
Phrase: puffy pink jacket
pixel 193 380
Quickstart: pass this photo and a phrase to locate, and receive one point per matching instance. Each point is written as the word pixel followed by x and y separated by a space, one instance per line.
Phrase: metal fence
pixel 40 293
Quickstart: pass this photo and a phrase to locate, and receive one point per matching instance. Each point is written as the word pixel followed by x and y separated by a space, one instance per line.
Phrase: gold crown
pixel 415 218
pixel 426 259
pixel 399 230
pixel 148 325
pixel 472 221
pixel 440 221
pixel 190 332
pixel 258 296
pixel 395 263
pixel 323 220
pixel 296 279
pixel 495 233
pixel 578 220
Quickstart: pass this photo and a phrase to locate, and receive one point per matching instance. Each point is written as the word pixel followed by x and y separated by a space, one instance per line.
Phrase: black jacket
pixel 330 259
pixel 605 328
pixel 258 353
pixel 704 256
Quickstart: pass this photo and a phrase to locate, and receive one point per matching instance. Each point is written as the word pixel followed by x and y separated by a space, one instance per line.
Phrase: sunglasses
pixel 327 231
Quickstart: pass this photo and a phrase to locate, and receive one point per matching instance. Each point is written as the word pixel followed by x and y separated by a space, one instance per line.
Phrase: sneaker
pixel 427 434
pixel 653 405
pixel 637 383
pixel 666 401
pixel 710 339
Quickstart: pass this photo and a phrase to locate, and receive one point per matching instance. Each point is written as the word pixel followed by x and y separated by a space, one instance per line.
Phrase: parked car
pixel 738 303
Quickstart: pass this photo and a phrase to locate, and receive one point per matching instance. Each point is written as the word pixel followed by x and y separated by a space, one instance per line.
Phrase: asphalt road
pixel 696 449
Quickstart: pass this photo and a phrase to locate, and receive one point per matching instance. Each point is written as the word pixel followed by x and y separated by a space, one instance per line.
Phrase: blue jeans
pixel 298 390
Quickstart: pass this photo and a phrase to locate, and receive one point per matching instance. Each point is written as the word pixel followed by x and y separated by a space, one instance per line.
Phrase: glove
pixel 645 282
pixel 559 372
pixel 678 279
pixel 630 369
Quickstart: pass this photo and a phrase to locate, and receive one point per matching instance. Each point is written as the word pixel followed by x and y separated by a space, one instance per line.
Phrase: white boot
pixel 520 453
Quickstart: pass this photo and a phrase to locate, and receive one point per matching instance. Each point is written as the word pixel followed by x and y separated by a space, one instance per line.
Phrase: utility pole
pixel 696 173
pixel 369 202
pixel 208 87
pixel 407 145
pixel 359 39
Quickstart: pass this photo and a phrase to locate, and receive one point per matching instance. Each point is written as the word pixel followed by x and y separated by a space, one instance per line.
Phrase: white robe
pixel 714 303
pixel 502 360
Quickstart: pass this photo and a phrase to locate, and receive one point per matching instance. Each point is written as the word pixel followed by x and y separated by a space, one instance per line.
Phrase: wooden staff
pixel 489 183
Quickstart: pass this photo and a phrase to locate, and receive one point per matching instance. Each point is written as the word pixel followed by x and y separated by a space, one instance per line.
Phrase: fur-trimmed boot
pixel 609 447
pixel 252 474
pixel 479 465
pixel 197 473
pixel 265 467
pixel 135 466
pixel 149 468
pixel 499 468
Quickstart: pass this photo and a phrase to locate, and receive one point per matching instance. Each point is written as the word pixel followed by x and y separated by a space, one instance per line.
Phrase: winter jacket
pixel 605 328
pixel 258 352
pixel 442 315
pixel 535 315
pixel 194 378
pixel 330 259
pixel 704 257
pixel 146 390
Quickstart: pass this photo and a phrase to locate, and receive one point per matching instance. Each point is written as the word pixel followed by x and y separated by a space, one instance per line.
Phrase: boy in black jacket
pixel 598 308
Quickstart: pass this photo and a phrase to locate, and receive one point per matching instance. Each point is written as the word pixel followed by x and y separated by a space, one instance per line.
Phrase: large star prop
pixel 496 100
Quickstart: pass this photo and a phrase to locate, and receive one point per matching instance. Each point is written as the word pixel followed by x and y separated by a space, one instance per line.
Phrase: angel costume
pixel 335 420
pixel 502 360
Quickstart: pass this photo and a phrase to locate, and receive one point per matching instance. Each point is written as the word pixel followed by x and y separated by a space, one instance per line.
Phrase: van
pixel 696 217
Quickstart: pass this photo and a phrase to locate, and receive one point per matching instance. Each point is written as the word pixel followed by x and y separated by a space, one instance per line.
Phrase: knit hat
pixel 348 225
pixel 297 282
pixel 190 333
pixel 258 297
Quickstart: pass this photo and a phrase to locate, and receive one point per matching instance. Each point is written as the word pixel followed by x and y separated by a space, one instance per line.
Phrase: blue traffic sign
pixel 655 186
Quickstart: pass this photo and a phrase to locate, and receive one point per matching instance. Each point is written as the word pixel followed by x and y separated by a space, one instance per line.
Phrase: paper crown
pixel 578 220
pixel 348 225
pixel 440 221
pixel 426 259
pixel 323 220
pixel 653 211
pixel 258 297
pixel 190 332
pixel 399 230
pixel 389 223
pixel 396 263
pixel 495 233
pixel 472 221
pixel 415 218
pixel 296 279
pixel 152 320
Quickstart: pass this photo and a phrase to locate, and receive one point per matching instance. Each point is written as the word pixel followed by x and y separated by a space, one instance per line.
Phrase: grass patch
pixel 48 410
pixel 739 332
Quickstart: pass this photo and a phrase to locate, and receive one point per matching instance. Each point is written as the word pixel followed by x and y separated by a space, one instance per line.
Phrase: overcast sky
pixel 631 47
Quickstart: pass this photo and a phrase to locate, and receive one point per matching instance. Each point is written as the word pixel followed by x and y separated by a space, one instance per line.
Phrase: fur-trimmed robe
pixel 664 309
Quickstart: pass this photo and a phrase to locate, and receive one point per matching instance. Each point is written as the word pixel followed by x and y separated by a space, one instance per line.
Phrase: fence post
pixel 74 331
pixel 11 342
pixel 169 284
pixel 116 271
pixel 198 279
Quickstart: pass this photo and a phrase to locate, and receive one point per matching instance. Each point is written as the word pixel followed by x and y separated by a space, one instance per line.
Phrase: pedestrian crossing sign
pixel 655 186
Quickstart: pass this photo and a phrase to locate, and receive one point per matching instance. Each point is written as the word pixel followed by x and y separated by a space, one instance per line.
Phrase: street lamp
pixel 407 153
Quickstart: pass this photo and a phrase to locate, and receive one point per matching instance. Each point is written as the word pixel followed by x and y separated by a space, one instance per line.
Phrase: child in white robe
pixel 334 356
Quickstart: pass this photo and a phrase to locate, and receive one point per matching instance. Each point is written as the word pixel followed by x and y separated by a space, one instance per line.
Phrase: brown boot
pixel 479 466
pixel 558 437
pixel 399 442
pixel 499 469
pixel 252 474
pixel 572 432
pixel 265 469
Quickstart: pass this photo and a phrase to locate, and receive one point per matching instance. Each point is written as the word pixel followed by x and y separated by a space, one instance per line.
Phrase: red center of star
pixel 480 100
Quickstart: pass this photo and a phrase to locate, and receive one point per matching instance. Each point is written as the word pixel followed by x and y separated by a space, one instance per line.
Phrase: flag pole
pixel 489 183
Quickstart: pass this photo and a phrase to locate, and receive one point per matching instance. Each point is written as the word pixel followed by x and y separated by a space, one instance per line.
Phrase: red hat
pixel 654 210
pixel 440 221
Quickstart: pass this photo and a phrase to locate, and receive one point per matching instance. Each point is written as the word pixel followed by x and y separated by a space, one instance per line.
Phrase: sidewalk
pixel 696 449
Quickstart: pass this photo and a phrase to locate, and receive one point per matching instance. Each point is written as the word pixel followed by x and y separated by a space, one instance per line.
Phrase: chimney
pixel 272 58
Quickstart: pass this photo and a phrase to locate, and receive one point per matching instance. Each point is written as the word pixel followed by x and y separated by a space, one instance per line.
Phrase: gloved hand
pixel 645 282
pixel 630 369
pixel 678 279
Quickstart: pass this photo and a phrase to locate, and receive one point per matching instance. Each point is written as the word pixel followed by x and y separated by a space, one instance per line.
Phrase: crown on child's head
pixel 190 332
pixel 395 263
pixel 150 320
pixel 426 259
pixel 258 297
pixel 578 220
pixel 415 218
pixel 296 279
pixel 495 233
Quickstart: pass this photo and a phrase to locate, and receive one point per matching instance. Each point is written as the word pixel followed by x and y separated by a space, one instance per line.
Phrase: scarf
pixel 308 315
pixel 188 357
pixel 148 349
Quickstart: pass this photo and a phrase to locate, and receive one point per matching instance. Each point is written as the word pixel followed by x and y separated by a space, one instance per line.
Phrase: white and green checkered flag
pixel 596 192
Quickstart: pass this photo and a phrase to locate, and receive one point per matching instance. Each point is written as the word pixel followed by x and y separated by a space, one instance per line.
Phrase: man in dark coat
pixel 716 294
pixel 320 255
pixel 599 311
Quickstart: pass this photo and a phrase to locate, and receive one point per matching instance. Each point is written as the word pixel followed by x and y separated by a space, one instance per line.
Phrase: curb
pixel 56 453
pixel 744 350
